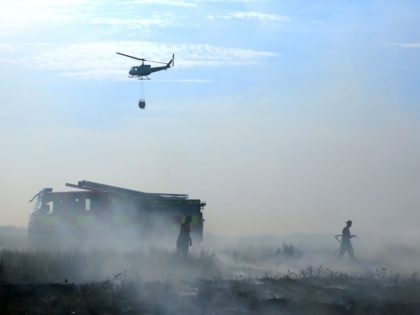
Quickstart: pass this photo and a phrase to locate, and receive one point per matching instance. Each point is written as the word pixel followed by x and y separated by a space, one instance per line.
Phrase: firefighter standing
pixel 346 241
pixel 184 238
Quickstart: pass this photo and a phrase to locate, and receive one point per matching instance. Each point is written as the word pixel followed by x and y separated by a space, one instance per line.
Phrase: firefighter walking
pixel 345 243
pixel 184 238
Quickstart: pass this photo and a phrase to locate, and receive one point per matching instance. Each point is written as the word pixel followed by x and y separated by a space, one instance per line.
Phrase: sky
pixel 284 116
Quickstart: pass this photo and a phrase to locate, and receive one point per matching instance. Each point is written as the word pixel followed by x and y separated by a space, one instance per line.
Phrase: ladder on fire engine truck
pixel 87 185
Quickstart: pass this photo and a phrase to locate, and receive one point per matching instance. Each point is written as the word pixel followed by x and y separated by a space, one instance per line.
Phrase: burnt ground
pixel 309 295
pixel 158 282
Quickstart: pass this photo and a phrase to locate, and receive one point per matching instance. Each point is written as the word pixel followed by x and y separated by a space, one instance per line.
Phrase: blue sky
pixel 299 109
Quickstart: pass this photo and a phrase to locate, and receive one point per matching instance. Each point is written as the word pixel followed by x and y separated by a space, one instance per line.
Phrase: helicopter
pixel 141 72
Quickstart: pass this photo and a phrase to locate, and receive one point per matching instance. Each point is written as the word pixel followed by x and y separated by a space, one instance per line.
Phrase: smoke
pixel 126 255
pixel 264 273
pixel 305 178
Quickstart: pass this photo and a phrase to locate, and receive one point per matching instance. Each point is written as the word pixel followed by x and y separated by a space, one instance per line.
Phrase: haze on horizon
pixel 285 116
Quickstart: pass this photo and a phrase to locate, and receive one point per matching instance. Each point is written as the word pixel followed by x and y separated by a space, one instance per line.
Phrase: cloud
pixel 98 59
pixel 183 3
pixel 25 15
pixel 7 47
pixel 175 3
pixel 132 23
pixel 254 15
pixel 18 15
pixel 409 45
pixel 7 53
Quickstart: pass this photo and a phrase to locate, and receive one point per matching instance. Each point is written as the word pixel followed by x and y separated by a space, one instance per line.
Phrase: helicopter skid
pixel 138 78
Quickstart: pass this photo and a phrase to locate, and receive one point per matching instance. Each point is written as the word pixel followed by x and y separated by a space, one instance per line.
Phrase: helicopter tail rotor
pixel 171 62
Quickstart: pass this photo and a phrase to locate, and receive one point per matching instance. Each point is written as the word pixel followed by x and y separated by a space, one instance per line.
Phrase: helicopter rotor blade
pixel 141 59
pixel 164 63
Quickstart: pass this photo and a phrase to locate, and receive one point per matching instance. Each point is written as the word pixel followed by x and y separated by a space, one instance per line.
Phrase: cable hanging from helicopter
pixel 142 100
pixel 142 71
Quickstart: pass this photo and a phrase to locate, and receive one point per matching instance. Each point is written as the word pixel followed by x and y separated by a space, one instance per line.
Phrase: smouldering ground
pixel 159 282
pixel 310 295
